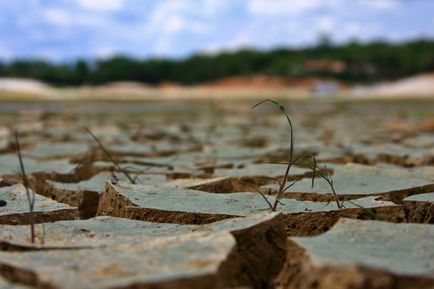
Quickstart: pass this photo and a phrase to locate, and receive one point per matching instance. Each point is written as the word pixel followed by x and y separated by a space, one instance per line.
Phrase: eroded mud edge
pixel 299 272
pixel 40 217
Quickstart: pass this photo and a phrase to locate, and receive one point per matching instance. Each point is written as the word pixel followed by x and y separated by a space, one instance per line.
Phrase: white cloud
pixel 5 53
pixel 241 40
pixel 297 7
pixel 352 29
pixel 67 18
pixel 282 6
pixel 381 5
pixel 104 52
pixel 168 20
pixel 101 5
pixel 58 17
pixel 359 31
pixel 210 7
pixel 326 24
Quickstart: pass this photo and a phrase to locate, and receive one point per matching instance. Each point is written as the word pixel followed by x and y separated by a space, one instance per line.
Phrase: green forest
pixel 363 62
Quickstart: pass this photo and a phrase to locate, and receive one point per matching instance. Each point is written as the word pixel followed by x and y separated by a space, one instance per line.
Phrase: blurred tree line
pixel 366 62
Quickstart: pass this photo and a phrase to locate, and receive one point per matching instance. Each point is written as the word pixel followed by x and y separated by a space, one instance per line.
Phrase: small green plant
pixel 282 184
pixel 30 194
pixel 325 174
pixel 109 156
pixel 300 160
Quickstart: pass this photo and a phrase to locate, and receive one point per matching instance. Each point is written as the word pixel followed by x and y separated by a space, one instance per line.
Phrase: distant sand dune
pixel 23 85
pixel 419 85
pixel 254 87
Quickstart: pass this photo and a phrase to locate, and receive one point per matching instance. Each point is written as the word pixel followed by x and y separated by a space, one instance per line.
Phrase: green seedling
pixel 300 160
pixel 30 194
pixel 282 184
pixel 323 173
pixel 327 177
pixel 109 156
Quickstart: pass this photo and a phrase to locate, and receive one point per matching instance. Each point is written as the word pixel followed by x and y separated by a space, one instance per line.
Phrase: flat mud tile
pixel 110 231
pixel 215 185
pixel 352 180
pixel 177 205
pixel 330 153
pixel 262 171
pixel 106 133
pixel 393 153
pixel 429 197
pixel 9 165
pixel 186 206
pixel 97 182
pixel 188 161
pixel 144 150
pixel 423 140
pixel 56 150
pixel 29 127
pixel 91 233
pixel 163 163
pixel 86 194
pixel 425 172
pixel 419 208
pixel 187 261
pixel 132 168
pixel 232 152
pixel 362 254
pixel 16 211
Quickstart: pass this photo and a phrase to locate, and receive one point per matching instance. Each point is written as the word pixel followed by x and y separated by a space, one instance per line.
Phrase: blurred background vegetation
pixel 352 62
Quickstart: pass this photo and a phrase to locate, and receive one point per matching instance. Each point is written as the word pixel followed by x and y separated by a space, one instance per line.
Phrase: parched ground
pixel 172 201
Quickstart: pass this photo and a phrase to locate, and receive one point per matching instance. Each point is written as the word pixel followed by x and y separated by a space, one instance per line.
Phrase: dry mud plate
pixel 177 197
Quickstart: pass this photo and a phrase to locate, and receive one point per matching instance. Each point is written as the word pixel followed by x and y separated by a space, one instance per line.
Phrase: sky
pixel 61 30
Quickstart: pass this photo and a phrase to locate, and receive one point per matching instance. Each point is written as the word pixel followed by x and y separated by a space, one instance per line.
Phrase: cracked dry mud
pixel 194 218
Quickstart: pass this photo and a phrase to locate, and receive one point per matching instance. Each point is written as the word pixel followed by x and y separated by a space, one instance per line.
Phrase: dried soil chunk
pixel 57 150
pixel 393 153
pixel 9 165
pixel 358 180
pixel 105 231
pixel 86 194
pixel 16 212
pixel 96 232
pixel 185 206
pixel 187 261
pixel 140 149
pixel 261 170
pixel 429 197
pixel 362 254
pixel 127 252
pixel 222 150
pixel 420 141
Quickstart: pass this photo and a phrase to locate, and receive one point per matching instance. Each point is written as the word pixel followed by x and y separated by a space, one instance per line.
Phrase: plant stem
pixel 107 153
pixel 30 196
